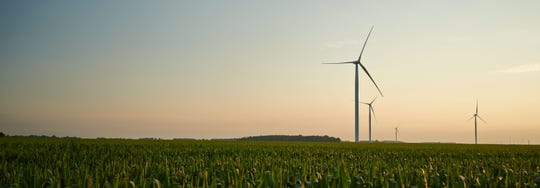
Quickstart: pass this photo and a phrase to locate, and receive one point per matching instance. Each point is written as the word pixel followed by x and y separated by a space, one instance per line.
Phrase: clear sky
pixel 213 69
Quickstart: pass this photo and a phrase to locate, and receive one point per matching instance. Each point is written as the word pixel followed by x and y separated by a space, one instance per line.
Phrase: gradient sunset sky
pixel 223 69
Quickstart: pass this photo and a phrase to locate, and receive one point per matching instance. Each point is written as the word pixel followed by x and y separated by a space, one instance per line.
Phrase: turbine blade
pixel 470 118
pixel 476 106
pixel 361 52
pixel 348 62
pixel 364 103
pixel 372 110
pixel 365 70
pixel 482 119
pixel 373 100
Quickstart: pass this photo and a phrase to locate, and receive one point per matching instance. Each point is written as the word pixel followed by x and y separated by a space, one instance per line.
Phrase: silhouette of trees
pixel 292 138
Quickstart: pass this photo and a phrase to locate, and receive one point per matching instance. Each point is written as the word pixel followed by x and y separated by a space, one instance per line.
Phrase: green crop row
pixel 28 162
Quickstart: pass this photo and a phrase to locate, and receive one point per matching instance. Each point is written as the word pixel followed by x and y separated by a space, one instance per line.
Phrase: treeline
pixel 292 138
pixel 289 138
pixel 36 136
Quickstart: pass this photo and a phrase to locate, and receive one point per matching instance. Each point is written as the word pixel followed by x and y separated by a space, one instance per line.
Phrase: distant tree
pixel 2 134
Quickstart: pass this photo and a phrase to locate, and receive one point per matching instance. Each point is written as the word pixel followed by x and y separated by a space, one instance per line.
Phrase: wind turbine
pixel 356 64
pixel 397 131
pixel 475 123
pixel 370 110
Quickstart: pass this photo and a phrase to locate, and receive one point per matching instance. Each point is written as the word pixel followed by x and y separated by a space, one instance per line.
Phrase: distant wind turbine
pixel 356 63
pixel 397 131
pixel 370 109
pixel 475 123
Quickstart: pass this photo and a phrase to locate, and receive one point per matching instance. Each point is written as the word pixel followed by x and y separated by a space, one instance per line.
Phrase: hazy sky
pixel 220 69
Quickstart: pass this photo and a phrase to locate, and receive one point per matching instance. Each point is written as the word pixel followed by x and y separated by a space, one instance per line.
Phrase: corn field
pixel 26 162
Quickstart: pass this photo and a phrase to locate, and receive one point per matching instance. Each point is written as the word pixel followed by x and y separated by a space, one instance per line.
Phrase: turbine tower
pixel 397 131
pixel 356 64
pixel 370 109
pixel 475 123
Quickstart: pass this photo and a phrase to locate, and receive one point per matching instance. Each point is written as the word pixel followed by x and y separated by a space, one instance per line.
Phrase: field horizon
pixel 246 138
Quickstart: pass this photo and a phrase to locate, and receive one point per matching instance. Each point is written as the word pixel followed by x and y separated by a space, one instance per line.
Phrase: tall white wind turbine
pixel 356 64
pixel 475 123
pixel 370 109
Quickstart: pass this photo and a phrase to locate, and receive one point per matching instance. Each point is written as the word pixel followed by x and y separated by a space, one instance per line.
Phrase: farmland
pixel 26 162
